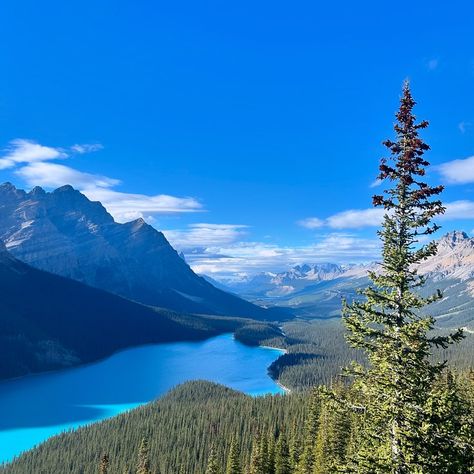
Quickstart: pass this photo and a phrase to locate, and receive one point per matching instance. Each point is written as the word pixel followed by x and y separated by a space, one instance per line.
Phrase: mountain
pixel 50 322
pixel 274 285
pixel 317 290
pixel 454 259
pixel 65 233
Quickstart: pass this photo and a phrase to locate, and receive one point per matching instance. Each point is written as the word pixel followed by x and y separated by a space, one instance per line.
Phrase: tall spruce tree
pixel 269 449
pixel 453 428
pixel 233 460
pixel 282 456
pixel 143 463
pixel 258 455
pixel 212 462
pixel 295 447
pixel 306 460
pixel 104 464
pixel 388 323
pixel 333 436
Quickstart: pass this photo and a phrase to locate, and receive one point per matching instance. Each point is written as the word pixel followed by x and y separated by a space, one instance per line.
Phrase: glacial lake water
pixel 36 407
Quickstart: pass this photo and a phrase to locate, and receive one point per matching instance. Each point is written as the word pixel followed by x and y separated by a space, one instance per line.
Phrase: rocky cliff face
pixel 64 233
pixel 454 259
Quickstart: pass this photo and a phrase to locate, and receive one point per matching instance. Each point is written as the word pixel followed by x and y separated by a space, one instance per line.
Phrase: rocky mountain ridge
pixel 65 233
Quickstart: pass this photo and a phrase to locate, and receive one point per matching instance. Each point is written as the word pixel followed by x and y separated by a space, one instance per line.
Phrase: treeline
pixel 317 350
pixel 204 428
pixel 257 333
pixel 331 437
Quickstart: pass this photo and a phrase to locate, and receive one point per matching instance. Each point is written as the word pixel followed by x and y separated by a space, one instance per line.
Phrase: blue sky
pixel 229 125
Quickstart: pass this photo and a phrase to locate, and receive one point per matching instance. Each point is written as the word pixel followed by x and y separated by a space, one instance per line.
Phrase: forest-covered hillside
pixel 199 420
pixel 49 322
pixel 180 428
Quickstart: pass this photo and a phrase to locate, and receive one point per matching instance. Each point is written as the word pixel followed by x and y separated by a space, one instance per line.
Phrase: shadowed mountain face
pixel 62 232
pixel 49 322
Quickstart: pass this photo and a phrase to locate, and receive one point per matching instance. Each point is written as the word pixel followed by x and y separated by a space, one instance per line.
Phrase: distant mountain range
pixel 65 233
pixel 279 285
pixel 315 290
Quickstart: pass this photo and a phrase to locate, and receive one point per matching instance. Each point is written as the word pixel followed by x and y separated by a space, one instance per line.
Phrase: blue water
pixel 36 407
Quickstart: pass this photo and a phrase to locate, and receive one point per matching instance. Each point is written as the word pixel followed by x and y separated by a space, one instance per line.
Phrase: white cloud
pixel 128 206
pixel 33 164
pixel 253 257
pixel 347 248
pixel 464 126
pixel 458 171
pixel 52 175
pixel 374 184
pixel 462 209
pixel 373 217
pixel 311 223
pixel 28 151
pixel 350 219
pixel 226 259
pixel 205 235
pixel 86 148
pixel 356 218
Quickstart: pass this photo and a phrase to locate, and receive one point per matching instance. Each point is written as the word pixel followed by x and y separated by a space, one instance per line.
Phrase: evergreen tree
pixel 452 427
pixel 233 460
pixel 257 458
pixel 270 454
pixel 104 464
pixel 143 464
pixel 282 456
pixel 213 463
pixel 388 323
pixel 264 453
pixel 334 432
pixel 295 449
pixel 306 461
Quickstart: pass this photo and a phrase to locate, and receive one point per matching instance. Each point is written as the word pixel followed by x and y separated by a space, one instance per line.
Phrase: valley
pixel 316 290
pixel 104 345
pixel 236 237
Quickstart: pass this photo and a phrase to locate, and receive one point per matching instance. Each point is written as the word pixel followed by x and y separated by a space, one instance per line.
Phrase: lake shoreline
pixel 285 351
pixel 43 405
pixel 104 358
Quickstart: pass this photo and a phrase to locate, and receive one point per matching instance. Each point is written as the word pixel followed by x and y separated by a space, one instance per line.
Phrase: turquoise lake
pixel 35 407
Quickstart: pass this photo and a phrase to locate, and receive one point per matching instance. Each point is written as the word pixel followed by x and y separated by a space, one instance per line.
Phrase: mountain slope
pixel 181 426
pixel 48 322
pixel 62 232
